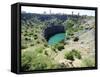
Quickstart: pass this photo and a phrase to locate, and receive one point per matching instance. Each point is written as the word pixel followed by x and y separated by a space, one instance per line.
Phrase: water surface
pixel 56 38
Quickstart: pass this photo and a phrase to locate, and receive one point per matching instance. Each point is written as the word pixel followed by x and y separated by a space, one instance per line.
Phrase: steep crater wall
pixel 52 30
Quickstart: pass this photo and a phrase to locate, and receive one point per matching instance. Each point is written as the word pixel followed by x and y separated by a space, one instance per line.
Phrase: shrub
pixel 39 66
pixel 35 60
pixel 23 46
pixel 27 39
pixel 67 38
pixel 69 23
pixel 59 46
pixel 76 39
pixel 42 62
pixel 72 54
pixel 88 62
pixel 26 61
pixel 46 45
pixel 61 65
pixel 35 37
pixel 32 44
pixel 39 49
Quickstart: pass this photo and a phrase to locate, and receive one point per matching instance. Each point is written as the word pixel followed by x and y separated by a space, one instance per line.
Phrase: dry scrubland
pixel 76 50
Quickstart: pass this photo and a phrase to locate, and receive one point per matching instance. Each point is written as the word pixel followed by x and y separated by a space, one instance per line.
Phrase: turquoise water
pixel 56 38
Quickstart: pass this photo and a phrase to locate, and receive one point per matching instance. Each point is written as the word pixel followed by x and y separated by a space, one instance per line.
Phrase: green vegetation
pixel 69 24
pixel 88 62
pixel 72 26
pixel 32 60
pixel 36 54
pixel 69 27
pixel 61 65
pixel 70 55
pixel 59 46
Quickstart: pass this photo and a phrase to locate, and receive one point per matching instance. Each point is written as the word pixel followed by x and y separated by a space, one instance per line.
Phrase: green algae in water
pixel 56 38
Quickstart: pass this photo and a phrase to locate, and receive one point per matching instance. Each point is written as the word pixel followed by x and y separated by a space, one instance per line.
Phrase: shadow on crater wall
pixel 52 30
